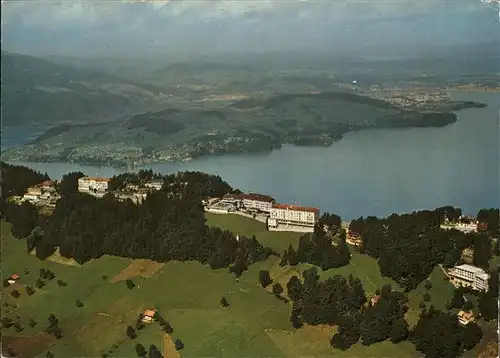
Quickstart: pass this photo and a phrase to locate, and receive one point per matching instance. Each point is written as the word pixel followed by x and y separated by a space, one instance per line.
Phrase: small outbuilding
pixel 374 300
pixel 13 278
pixel 464 318
pixel 148 316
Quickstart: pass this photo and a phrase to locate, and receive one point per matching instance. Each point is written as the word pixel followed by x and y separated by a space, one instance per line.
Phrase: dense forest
pixel 317 249
pixel 16 179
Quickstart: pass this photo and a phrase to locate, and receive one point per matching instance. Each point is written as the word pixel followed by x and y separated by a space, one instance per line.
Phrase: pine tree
pixel 131 332
pixel 223 302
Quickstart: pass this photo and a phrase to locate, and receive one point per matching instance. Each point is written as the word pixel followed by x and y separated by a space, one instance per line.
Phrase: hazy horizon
pixel 180 30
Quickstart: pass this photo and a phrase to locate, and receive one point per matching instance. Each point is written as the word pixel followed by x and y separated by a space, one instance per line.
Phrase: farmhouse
pixel 293 215
pixel 354 238
pixel 464 318
pixel 13 279
pixel 374 300
pixel 33 194
pixel 468 275
pixel 148 316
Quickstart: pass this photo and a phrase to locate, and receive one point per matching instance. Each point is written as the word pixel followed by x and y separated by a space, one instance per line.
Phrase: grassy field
pixel 244 226
pixel 187 294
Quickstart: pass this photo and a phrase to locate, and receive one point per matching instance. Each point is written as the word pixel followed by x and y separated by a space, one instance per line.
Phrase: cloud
pixel 188 26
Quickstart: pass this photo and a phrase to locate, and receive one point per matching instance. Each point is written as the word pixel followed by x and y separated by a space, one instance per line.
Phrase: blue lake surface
pixel 371 172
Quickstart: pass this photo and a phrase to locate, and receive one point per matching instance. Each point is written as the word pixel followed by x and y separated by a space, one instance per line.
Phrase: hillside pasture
pixel 139 267
pixel 243 226
pixel 187 294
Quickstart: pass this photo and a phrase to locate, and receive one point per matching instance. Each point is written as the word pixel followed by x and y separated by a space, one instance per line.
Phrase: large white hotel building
pixel 468 275
pixel 93 186
pixel 283 214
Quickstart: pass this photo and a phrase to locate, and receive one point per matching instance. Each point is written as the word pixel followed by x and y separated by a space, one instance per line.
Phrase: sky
pixel 183 28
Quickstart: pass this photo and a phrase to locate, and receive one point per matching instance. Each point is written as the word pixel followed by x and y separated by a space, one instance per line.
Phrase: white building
pixel 234 199
pixel 33 194
pixel 292 215
pixel 463 227
pixel 154 184
pixel 93 186
pixel 469 275
pixel 258 202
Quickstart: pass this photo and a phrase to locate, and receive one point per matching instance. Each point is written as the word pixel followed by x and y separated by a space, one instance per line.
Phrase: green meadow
pixel 187 294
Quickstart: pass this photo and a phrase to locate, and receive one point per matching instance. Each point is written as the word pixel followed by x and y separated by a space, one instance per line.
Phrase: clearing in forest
pixel 139 267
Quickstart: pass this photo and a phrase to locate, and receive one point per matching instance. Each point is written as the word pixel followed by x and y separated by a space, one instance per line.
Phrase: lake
pixel 371 172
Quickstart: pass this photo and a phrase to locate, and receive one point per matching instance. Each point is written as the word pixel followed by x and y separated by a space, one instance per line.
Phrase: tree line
pixel 165 227
pixel 409 246
pixel 318 249
pixel 343 302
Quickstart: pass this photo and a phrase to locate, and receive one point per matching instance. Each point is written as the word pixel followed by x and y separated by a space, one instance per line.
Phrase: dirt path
pixel 169 350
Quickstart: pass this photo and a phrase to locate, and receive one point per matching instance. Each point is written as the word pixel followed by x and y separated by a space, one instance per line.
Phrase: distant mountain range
pixel 37 91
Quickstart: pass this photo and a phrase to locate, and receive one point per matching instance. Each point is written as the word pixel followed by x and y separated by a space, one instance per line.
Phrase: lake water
pixel 371 172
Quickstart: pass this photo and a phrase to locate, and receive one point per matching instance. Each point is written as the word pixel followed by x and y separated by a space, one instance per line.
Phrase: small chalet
pixel 374 300
pixel 482 226
pixel 148 316
pixel 354 238
pixel 464 318
pixel 13 279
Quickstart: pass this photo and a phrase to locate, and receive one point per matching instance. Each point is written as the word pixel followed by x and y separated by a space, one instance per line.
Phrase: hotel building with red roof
pixel 293 215
pixel 93 186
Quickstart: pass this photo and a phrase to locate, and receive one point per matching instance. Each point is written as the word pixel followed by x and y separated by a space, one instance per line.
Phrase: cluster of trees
pixel 342 302
pixel 207 185
pixel 153 352
pixel 332 222
pixel 163 228
pixel 438 334
pixel 408 246
pixel 16 179
pixel 488 301
pixel 381 320
pixel 323 302
pixel 53 326
pixel 318 249
pixel 492 218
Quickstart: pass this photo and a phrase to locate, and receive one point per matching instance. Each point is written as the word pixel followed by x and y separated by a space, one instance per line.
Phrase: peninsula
pixel 255 124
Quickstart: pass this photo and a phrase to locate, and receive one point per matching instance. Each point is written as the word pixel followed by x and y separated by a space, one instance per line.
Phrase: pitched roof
pixel 257 197
pixel 465 315
pixel 375 299
pixel 14 276
pixel 296 208
pixel 96 179
pixel 470 268
pixel 149 313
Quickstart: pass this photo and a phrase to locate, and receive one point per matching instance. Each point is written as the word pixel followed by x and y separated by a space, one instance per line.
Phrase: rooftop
pixel 46 183
pixel 149 313
pixel 483 276
pixel 257 197
pixel 96 179
pixel 465 315
pixel 296 208
pixel 470 268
